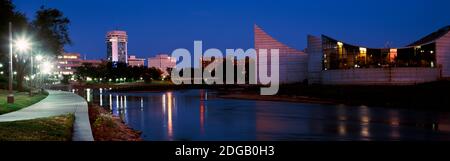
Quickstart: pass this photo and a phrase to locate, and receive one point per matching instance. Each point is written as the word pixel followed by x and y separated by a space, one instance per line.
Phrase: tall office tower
pixel 116 43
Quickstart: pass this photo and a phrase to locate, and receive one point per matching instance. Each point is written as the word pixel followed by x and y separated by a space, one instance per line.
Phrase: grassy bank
pixel 22 100
pixel 46 129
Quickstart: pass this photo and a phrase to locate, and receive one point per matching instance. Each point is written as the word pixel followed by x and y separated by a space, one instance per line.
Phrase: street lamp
pixel 10 97
pixel 46 68
pixel 42 67
pixel 23 45
pixel 39 57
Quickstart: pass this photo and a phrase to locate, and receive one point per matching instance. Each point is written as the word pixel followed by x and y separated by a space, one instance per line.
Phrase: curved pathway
pixel 58 103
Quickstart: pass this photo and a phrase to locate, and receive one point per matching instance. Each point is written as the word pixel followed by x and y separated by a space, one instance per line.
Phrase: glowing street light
pixel 46 67
pixel 22 44
pixel 10 98
pixel 39 58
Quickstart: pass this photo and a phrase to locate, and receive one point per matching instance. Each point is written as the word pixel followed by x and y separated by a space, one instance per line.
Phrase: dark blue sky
pixel 157 26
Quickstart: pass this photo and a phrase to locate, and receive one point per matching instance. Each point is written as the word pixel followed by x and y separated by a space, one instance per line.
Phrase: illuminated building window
pixel 70 57
pixel 338 55
pixel 362 52
pixel 392 55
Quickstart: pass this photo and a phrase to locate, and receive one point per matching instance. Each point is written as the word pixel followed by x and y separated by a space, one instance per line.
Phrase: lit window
pixel 363 52
pixel 70 57
pixel 392 55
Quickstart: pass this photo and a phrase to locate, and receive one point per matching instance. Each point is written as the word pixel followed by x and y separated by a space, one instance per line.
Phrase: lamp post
pixel 37 82
pixel 31 73
pixel 46 69
pixel 10 89
pixel 24 45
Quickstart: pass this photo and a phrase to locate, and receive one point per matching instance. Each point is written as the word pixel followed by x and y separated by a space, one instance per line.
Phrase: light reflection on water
pixel 198 115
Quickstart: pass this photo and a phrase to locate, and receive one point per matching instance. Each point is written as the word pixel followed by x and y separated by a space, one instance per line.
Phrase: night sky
pixel 160 26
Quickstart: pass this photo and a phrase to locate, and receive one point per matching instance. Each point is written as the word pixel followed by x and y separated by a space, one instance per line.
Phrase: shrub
pixel 105 120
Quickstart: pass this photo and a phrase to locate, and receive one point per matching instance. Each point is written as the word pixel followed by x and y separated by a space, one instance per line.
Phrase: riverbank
pixel 58 128
pixel 297 99
pixel 430 96
pixel 106 127
pixel 22 100
pixel 156 86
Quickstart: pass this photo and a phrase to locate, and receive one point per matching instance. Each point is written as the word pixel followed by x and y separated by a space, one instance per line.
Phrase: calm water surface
pixel 199 116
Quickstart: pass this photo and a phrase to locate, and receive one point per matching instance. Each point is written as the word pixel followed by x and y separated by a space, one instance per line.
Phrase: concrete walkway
pixel 58 103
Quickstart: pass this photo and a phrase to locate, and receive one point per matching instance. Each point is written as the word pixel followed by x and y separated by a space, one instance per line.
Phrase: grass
pixel 22 100
pixel 57 128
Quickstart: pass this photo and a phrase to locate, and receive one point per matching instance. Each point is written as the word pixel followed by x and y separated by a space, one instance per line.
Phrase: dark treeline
pixel 106 72
pixel 48 32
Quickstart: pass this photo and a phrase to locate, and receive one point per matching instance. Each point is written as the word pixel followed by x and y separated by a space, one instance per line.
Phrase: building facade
pixel 135 62
pixel 341 63
pixel 117 46
pixel 330 61
pixel 162 62
pixel 68 62
pixel 293 62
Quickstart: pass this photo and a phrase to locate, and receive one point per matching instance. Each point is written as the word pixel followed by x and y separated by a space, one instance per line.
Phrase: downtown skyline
pixel 161 27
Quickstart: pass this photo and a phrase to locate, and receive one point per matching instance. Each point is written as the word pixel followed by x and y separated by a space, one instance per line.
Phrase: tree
pixel 107 72
pixel 49 32
pixel 52 29
pixel 155 74
pixel 50 35
pixel 20 24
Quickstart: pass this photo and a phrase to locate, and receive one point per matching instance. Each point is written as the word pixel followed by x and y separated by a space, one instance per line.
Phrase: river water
pixel 197 115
